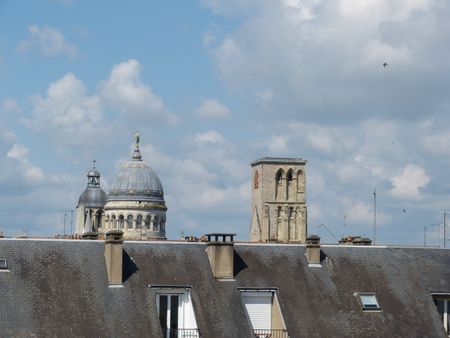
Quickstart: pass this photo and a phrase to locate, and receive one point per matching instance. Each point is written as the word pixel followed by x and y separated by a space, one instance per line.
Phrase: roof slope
pixel 60 289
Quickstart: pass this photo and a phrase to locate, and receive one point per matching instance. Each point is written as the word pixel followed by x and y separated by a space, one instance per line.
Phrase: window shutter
pixel 258 306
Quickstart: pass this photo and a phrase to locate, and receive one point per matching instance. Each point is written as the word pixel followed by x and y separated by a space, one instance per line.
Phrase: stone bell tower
pixel 278 200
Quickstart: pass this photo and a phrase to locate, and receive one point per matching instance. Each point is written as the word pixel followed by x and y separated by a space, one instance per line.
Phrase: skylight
pixel 369 301
pixel 3 265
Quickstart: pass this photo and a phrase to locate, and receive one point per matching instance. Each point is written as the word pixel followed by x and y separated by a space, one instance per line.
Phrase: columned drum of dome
pixel 135 202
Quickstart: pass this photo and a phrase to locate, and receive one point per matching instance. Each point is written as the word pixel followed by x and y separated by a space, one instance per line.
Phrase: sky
pixel 212 85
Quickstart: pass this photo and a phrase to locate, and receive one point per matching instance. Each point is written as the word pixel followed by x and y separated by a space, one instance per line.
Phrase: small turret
pixel 90 208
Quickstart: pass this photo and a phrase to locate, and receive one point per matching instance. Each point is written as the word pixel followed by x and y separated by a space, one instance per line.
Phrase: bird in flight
pixel 385 64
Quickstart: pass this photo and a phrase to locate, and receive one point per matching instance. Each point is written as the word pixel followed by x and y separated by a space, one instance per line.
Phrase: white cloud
pixel 204 179
pixel 68 113
pixel 210 136
pixel 67 106
pixel 125 92
pixel 26 170
pixel 47 41
pixel 71 116
pixel 210 108
pixel 322 60
pixel 357 211
pixel 438 143
pixel 10 105
pixel 278 144
pixel 407 184
pixel 208 38
pixel 18 152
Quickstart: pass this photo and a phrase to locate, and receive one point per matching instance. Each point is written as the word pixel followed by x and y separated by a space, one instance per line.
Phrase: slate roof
pixel 59 288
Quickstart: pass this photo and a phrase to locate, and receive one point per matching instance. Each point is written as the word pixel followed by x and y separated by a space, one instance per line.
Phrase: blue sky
pixel 212 85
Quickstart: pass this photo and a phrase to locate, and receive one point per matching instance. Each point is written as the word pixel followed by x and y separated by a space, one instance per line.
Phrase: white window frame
pixel 186 315
pixel 368 305
pixel 445 298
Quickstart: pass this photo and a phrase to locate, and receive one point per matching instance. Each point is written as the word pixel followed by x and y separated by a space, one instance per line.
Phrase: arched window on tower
pixel 156 223
pixel 301 182
pixel 121 221
pixel 148 221
pixel 98 220
pixel 290 189
pixel 256 180
pixel 139 222
pixel 279 185
pixel 113 222
pixel 129 222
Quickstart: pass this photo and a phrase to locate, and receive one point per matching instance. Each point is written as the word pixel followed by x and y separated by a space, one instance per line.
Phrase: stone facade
pixel 136 219
pixel 278 200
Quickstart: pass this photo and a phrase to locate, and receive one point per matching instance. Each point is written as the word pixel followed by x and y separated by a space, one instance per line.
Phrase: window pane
pixel 174 312
pixel 163 311
pixel 369 301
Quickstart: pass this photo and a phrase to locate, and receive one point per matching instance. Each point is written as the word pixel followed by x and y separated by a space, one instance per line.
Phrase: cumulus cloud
pixel 210 108
pixel 210 136
pixel 437 143
pixel 125 92
pixel 203 184
pixel 411 179
pixel 67 113
pixel 18 152
pixel 47 41
pixel 318 65
pixel 25 171
pixel 72 116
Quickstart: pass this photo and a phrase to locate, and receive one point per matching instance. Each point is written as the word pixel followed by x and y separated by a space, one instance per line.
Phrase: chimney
pixel 114 256
pixel 221 254
pixel 313 249
pixel 362 241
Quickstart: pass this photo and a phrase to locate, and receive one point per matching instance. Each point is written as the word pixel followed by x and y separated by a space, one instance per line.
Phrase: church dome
pixel 136 181
pixel 93 196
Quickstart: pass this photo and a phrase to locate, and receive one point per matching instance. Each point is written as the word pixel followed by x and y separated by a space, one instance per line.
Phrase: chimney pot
pixel 91 235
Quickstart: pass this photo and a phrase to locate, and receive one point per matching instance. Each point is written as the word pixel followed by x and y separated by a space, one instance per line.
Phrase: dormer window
pixel 176 313
pixel 264 313
pixel 442 302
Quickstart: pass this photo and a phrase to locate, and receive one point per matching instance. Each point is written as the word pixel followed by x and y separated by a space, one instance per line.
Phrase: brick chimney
pixel 114 256
pixel 220 249
pixel 313 249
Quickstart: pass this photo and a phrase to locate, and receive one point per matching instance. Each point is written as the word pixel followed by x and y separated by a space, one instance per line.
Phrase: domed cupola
pixel 91 203
pixel 136 181
pixel 135 202
pixel 93 195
